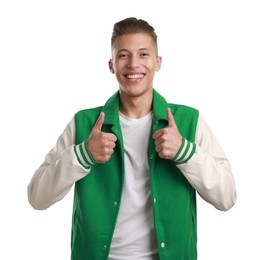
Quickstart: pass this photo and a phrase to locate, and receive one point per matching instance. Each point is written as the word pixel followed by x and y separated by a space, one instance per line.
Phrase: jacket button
pixel 151 157
pixel 155 200
pixel 105 247
pixel 162 244
pixel 115 203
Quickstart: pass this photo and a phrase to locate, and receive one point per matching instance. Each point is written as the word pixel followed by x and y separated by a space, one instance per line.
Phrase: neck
pixel 136 107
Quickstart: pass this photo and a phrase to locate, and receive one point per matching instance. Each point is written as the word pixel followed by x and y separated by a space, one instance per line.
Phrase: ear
pixel 159 61
pixel 110 64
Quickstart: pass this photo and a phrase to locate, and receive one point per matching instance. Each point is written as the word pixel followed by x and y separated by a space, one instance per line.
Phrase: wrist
pixel 185 152
pixel 84 155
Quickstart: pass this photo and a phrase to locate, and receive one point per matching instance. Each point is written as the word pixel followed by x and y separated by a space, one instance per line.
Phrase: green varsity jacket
pixel 97 196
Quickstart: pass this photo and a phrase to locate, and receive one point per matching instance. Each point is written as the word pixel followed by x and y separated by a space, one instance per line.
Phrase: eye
pixel 123 55
pixel 144 54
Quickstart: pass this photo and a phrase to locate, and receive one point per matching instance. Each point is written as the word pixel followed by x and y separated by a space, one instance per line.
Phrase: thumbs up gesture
pixel 168 140
pixel 100 144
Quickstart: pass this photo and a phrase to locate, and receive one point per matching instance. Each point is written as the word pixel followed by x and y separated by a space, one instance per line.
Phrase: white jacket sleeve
pixel 209 171
pixel 59 171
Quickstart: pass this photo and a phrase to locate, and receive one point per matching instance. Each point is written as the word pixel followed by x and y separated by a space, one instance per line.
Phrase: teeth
pixel 136 76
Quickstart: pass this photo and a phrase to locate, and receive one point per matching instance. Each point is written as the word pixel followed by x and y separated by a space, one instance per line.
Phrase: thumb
pixel 99 122
pixel 170 118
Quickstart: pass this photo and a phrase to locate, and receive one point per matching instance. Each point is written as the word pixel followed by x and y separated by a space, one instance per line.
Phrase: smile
pixel 134 76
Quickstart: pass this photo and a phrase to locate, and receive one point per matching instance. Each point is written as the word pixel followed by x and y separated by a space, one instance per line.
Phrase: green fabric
pixel 97 196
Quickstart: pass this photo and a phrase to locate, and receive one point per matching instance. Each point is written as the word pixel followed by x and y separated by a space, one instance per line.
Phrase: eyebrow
pixel 141 49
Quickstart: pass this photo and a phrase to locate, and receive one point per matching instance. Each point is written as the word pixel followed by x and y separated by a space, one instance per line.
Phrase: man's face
pixel 134 62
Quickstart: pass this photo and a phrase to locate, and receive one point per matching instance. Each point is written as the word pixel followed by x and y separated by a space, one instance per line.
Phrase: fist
pixel 100 144
pixel 168 140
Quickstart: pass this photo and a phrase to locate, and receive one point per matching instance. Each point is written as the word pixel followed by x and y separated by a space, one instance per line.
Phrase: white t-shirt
pixel 134 235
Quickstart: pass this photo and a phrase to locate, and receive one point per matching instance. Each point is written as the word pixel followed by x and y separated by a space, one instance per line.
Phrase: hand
pixel 100 144
pixel 168 140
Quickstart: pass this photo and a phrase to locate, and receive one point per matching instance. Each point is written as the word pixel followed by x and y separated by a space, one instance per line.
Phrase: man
pixel 136 162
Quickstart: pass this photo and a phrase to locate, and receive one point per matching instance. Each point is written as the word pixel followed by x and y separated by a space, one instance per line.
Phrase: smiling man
pixel 136 162
pixel 134 62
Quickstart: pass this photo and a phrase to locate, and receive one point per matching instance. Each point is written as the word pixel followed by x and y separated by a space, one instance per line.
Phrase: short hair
pixel 132 25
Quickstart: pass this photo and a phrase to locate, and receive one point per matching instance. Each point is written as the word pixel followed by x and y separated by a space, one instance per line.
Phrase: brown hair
pixel 132 25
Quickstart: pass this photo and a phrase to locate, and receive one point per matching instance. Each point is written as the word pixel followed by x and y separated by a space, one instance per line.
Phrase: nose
pixel 133 62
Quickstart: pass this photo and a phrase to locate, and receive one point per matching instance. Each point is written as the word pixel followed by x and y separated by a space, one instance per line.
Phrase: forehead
pixel 134 41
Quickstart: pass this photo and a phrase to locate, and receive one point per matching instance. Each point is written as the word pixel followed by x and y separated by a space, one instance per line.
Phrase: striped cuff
pixel 83 155
pixel 185 152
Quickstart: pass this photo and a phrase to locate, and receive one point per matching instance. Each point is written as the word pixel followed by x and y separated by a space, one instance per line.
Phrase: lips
pixel 135 76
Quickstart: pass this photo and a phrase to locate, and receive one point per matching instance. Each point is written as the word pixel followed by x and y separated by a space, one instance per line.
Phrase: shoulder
pixel 88 112
pixel 86 118
pixel 183 110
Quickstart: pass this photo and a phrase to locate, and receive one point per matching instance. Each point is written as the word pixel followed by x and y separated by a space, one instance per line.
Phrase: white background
pixel 53 62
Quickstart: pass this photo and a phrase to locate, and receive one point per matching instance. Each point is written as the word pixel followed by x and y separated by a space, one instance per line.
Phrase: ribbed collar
pixel 111 108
